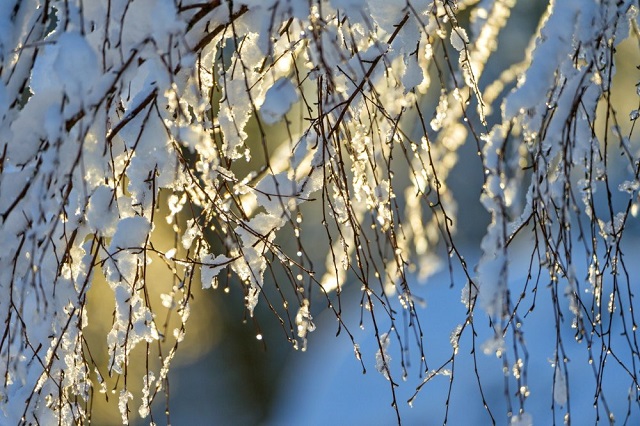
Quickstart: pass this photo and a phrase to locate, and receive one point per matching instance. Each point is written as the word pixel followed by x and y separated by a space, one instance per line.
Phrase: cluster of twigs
pixel 245 125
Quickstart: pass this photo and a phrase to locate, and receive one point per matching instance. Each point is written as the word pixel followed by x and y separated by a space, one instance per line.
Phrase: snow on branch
pixel 238 125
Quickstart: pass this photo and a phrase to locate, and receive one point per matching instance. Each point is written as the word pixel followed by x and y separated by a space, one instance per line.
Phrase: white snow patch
pixel 211 267
pixel 278 101
pixel 131 232
pixel 459 38
pixel 101 212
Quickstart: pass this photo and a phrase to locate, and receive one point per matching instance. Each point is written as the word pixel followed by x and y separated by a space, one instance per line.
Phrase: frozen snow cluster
pixel 118 114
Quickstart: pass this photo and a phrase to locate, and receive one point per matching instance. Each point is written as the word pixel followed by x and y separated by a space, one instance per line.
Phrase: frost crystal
pixel 304 323
pixel 629 186
pixel 147 381
pixel 383 359
pixel 454 338
pixel 123 403
pixel 441 112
